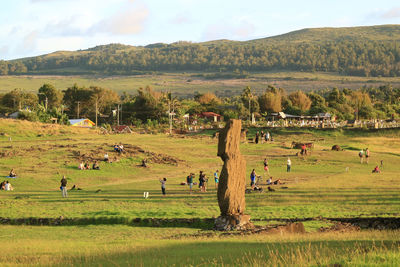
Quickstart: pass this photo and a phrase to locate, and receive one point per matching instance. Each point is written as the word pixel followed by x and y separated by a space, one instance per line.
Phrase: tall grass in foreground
pixel 302 253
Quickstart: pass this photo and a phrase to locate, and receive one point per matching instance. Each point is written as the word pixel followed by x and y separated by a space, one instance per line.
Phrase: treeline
pixel 152 108
pixel 358 58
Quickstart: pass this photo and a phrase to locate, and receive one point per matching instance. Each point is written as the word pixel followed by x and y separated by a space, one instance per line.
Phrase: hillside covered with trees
pixel 360 51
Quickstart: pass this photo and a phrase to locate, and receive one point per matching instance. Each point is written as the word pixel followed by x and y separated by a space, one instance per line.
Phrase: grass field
pixel 102 226
pixel 186 84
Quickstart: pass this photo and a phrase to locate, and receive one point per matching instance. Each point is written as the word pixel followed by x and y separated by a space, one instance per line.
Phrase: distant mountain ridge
pixel 363 51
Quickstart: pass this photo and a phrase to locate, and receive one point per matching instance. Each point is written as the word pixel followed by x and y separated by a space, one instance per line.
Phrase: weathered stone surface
pixel 233 222
pixel 232 184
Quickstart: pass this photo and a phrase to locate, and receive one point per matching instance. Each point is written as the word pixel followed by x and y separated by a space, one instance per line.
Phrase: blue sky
pixel 34 27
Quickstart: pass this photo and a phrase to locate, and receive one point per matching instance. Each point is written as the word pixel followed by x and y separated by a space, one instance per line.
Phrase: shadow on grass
pixel 243 253
pixel 198 223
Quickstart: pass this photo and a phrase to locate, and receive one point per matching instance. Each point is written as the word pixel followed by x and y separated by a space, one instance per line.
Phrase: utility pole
pixel 120 109
pixel 77 116
pixel 97 99
pixel 47 100
pixel 117 114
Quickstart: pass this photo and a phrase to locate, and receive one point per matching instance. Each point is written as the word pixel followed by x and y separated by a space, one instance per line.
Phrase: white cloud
pixel 181 18
pixel 29 41
pixel 391 13
pixel 128 20
pixel 3 50
pixel 223 30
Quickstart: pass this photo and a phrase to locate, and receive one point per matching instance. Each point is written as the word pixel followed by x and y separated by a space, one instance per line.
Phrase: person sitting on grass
pixel 376 170
pixel 116 148
pixel 269 181
pixel 12 173
pixel 144 163
pixel 106 157
pixel 3 185
pixel 8 187
pixel 87 166
pixel 81 166
pixel 96 166
pixel 278 181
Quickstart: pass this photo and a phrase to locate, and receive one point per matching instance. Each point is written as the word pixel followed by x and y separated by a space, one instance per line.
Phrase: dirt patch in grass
pixel 89 152
pixel 130 151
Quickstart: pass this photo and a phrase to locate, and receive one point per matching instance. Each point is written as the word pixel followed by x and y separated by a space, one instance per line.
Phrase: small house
pixel 82 123
pixel 120 129
pixel 211 116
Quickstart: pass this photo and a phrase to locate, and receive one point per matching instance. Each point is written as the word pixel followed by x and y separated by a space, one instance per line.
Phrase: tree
pixel 249 101
pixel 18 99
pixel 361 102
pixel 300 100
pixel 208 99
pixel 104 98
pixel 54 96
pixel 270 102
pixel 146 105
pixel 75 98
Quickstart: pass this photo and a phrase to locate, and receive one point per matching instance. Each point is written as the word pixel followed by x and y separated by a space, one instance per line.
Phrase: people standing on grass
pixel 64 186
pixel 257 137
pixel 267 136
pixel 262 135
pixel 216 179
pixel 361 155
pixel 163 182
pixel 266 168
pixel 367 155
pixel 202 182
pixel 253 177
pixel 289 165
pixel 189 181
pixel 303 149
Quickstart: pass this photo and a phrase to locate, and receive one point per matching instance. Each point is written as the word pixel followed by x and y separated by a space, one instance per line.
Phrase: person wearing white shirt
pixel 289 165
pixel 8 187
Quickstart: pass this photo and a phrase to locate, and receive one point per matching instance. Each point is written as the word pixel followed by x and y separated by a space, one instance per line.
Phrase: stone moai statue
pixel 232 184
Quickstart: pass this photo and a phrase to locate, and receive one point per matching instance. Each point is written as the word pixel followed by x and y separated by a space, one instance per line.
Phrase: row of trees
pixel 148 106
pixel 351 57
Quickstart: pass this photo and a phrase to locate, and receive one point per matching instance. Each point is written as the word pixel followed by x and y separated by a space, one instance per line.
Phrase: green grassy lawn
pixel 101 231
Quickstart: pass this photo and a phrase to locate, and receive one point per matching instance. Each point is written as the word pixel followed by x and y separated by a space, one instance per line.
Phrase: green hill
pixel 360 51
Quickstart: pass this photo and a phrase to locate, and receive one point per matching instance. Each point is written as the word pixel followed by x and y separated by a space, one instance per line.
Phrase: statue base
pixel 233 222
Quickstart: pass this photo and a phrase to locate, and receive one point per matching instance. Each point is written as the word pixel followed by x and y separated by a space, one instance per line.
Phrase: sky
pixel 35 27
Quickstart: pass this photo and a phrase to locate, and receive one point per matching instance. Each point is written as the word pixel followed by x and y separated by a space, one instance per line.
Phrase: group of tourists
pixel 264 137
pixel 6 186
pixel 86 166
pixel 119 148
pixel 364 153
